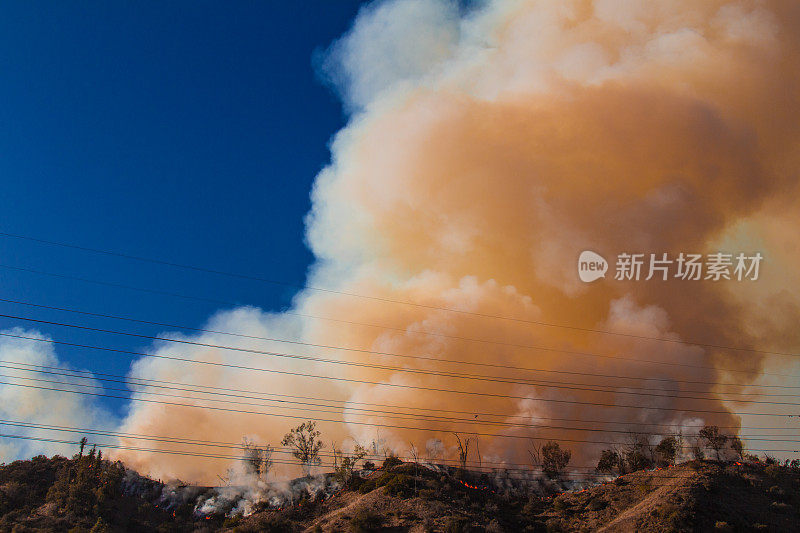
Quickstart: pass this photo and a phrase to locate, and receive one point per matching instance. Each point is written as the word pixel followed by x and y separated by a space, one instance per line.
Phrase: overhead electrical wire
pixel 504 473
pixel 144 381
pixel 452 375
pixel 337 409
pixel 334 421
pixel 472 465
pixel 386 327
pixel 388 354
pixel 393 385
pixel 521 381
pixel 453 463
pixel 388 300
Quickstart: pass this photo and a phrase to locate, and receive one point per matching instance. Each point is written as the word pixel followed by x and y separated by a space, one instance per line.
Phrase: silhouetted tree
pixel 639 452
pixel 535 452
pixel 610 461
pixel 713 438
pixel 554 459
pixel 463 450
pixel 738 446
pixel 666 451
pixel 697 449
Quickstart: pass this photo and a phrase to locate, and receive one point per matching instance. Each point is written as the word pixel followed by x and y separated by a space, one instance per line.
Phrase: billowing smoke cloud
pixel 486 149
pixel 33 400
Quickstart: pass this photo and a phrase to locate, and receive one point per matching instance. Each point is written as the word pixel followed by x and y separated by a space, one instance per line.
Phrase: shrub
pixel 268 524
pixel 560 504
pixel 494 527
pixel 779 507
pixel 554 459
pixel 714 439
pixel 456 524
pixel 777 492
pixel 365 521
pixel 345 464
pixel 100 527
pixel 367 486
pixel 391 461
pixel 400 485
pixel 609 461
pixel 666 450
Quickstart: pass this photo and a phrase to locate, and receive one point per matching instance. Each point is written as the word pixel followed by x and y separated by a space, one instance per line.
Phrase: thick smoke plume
pixel 486 149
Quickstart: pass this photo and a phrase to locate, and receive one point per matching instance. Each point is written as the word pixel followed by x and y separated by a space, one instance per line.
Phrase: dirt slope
pixel 691 497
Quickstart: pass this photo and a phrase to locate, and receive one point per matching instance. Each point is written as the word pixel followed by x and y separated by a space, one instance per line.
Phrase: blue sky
pixel 184 131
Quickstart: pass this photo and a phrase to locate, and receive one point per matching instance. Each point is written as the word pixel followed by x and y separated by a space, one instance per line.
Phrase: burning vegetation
pixel 634 488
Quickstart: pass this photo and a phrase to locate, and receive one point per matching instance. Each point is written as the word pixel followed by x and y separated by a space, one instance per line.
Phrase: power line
pixel 215 444
pixel 392 354
pixel 527 467
pixel 341 422
pixel 387 384
pixel 218 456
pixel 391 328
pixel 390 300
pixel 367 412
pixel 521 381
pixel 145 381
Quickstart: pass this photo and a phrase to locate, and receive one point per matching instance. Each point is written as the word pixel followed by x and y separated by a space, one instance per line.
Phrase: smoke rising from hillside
pixel 485 150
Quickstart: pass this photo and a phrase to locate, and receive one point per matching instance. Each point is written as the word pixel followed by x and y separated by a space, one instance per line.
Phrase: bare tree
pixel 257 459
pixel 378 446
pixel 463 450
pixel 535 452
pixel 639 452
pixel 304 439
pixel 415 457
pixel 434 449
pixel 697 449
pixel 680 441
pixel 414 452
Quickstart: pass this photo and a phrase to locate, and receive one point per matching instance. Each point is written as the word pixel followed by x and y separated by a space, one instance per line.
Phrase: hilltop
pixel 92 494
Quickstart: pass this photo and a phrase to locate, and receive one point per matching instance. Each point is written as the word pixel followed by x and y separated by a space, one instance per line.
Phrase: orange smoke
pixel 479 162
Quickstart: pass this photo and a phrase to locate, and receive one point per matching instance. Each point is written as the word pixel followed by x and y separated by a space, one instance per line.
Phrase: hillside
pixel 91 494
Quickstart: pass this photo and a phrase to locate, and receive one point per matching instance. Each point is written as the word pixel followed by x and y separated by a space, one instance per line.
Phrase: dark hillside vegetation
pixel 90 494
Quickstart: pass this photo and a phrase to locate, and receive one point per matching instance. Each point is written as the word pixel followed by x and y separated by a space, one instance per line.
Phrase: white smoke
pixel 20 402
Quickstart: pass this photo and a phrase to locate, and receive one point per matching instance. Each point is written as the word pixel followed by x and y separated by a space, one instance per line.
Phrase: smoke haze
pixel 486 148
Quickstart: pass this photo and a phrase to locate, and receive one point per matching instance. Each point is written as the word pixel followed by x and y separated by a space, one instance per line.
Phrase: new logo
pixel 591 266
